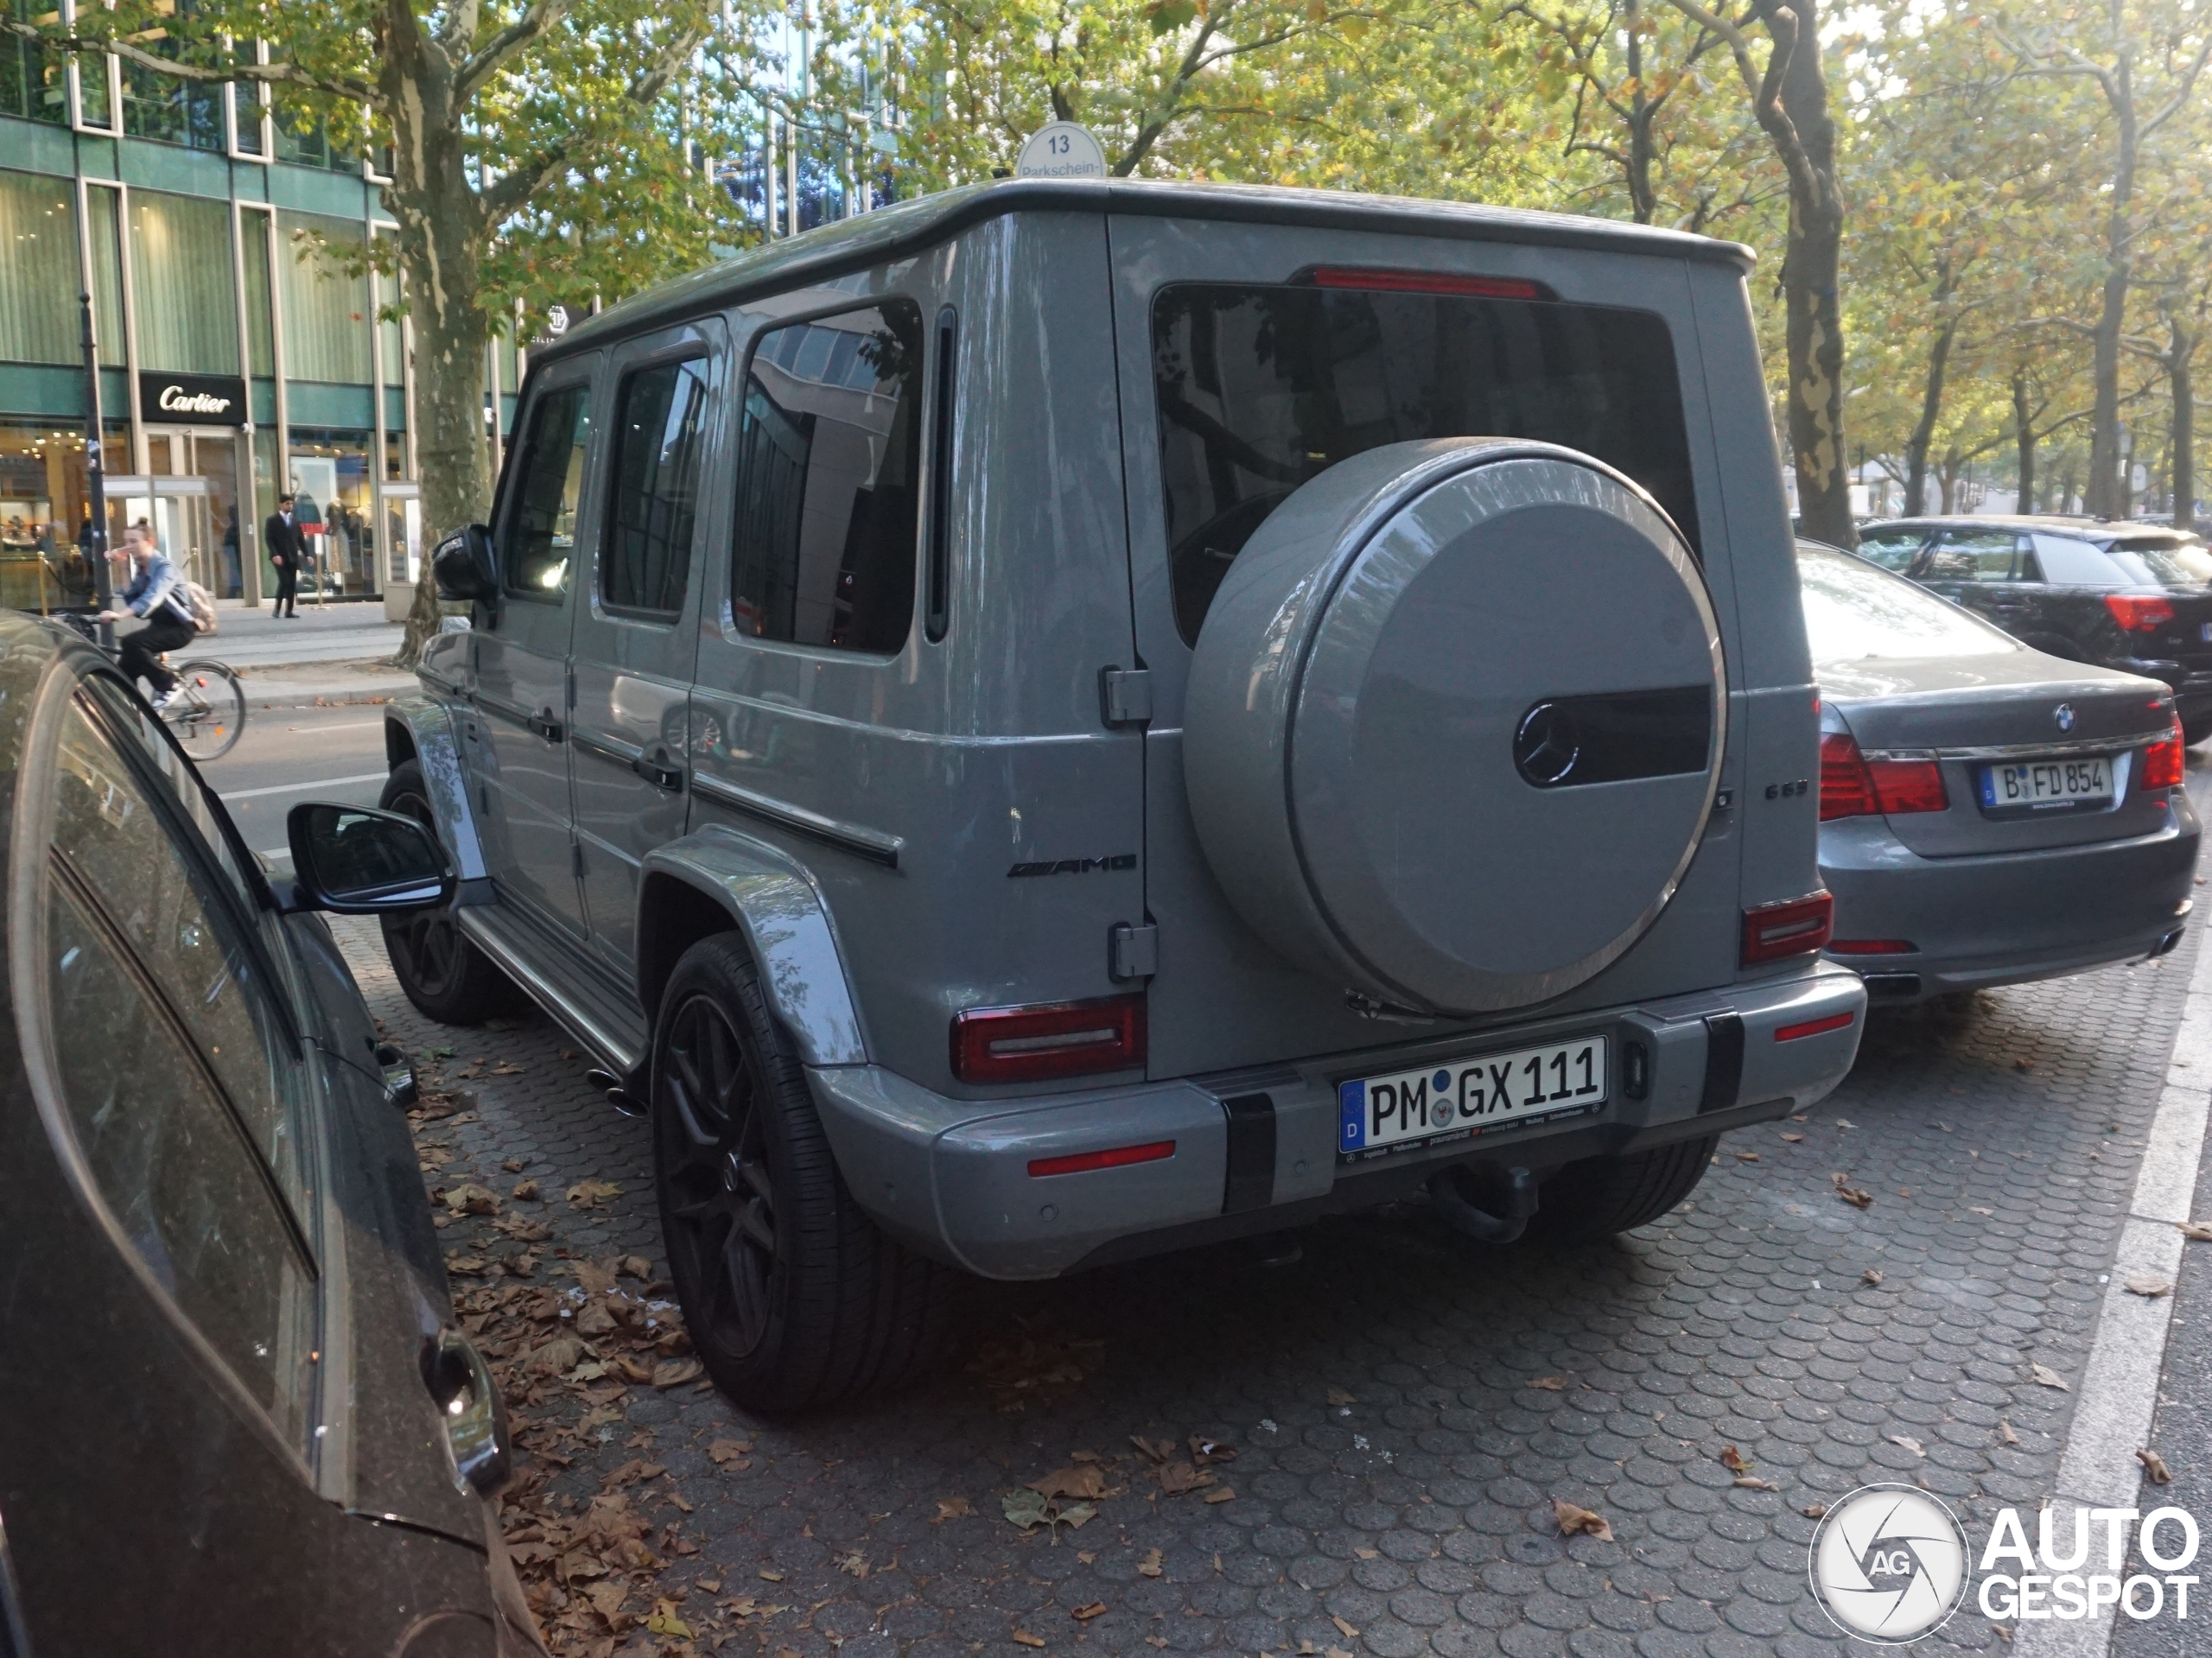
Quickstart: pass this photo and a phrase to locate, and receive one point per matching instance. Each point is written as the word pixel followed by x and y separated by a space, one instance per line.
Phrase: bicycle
pixel 208 712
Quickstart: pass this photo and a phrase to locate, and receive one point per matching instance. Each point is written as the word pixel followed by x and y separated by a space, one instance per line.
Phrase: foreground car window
pixel 1261 389
pixel 172 1166
pixel 109 833
pixel 829 451
pixel 1853 612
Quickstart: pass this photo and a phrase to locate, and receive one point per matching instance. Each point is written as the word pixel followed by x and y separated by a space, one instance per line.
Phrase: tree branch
pixel 276 75
pixel 510 194
pixel 518 37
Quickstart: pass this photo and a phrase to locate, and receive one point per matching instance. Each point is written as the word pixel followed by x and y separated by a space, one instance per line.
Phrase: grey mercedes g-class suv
pixel 1065 720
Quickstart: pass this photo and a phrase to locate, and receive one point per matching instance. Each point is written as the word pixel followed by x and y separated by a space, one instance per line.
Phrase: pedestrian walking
pixel 287 547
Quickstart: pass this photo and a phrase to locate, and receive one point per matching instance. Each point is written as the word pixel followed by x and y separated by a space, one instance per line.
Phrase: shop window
pixel 44 541
pixel 39 281
pixel 33 86
pixel 181 269
pixel 326 285
pixel 826 502
pixel 330 476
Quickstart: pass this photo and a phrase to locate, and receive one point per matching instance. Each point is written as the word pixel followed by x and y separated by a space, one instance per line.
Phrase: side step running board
pixel 597 1028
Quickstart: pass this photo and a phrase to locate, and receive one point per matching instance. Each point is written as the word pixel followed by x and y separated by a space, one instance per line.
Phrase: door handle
pixel 659 773
pixel 544 726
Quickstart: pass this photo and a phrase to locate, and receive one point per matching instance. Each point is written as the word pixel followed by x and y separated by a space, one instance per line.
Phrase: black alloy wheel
pixel 441 971
pixel 793 1296
pixel 718 1199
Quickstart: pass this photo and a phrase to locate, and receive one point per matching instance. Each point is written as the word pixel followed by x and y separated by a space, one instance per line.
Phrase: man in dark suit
pixel 286 548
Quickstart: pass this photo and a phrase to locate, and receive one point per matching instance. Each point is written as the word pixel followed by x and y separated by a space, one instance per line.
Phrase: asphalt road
pixel 291 755
pixel 1406 1407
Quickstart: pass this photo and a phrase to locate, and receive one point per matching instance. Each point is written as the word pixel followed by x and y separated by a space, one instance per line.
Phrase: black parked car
pixel 2136 597
pixel 235 1414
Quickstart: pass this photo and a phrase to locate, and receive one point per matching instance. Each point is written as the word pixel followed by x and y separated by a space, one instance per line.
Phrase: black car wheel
pixel 793 1296
pixel 443 973
pixel 1601 1196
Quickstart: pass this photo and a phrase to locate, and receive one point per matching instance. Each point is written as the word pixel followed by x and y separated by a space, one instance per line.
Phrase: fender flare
pixel 421 728
pixel 770 899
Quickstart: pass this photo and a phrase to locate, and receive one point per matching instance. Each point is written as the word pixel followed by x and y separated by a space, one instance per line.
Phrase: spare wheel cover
pixel 1455 721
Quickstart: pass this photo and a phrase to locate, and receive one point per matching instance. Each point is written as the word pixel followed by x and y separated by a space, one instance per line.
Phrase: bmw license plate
pixel 1457 1099
pixel 2034 788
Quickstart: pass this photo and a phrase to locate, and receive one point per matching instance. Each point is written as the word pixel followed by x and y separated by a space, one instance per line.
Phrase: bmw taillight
pixel 1797 926
pixel 2139 613
pixel 1854 786
pixel 1059 1038
pixel 2164 762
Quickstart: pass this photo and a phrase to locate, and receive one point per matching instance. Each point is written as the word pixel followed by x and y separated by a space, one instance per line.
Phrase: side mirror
pixel 464 567
pixel 357 860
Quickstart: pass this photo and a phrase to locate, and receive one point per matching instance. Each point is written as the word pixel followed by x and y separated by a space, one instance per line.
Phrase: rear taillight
pixel 1775 932
pixel 2137 613
pixel 1060 1038
pixel 2164 763
pixel 1854 786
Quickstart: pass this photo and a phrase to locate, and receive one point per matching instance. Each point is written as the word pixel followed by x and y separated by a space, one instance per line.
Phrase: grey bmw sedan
pixel 1988 814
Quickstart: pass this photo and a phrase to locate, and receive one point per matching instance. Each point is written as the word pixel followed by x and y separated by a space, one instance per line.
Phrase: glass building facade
pixel 237 329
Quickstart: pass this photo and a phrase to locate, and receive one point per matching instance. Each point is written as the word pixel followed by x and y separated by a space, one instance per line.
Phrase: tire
pixel 1601 1196
pixel 2194 731
pixel 793 1299
pixel 209 718
pixel 443 974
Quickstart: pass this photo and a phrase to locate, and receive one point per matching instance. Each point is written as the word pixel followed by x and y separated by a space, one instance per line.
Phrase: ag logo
pixel 1889 1564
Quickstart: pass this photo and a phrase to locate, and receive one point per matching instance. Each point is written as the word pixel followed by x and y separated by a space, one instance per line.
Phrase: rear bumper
pixel 1256 1151
pixel 1977 923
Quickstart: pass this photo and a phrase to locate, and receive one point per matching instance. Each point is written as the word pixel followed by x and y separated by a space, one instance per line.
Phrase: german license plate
pixel 1459 1099
pixel 2032 788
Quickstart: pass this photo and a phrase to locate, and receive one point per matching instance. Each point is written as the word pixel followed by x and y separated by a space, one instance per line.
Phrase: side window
pixel 1971 555
pixel 112 837
pixel 660 438
pixel 162 1068
pixel 540 530
pixel 2069 562
pixel 828 462
pixel 1892 551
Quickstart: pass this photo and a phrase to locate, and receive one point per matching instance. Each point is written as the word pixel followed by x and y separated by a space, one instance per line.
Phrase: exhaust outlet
pixel 1446 1192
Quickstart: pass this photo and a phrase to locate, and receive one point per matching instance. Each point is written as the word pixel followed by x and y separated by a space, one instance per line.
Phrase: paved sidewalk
pixel 351 632
pixel 1406 1407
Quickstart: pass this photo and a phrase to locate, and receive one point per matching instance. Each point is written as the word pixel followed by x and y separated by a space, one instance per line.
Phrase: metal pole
pixel 96 474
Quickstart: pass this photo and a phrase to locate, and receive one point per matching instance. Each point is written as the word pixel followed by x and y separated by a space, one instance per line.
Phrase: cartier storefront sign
pixel 191 399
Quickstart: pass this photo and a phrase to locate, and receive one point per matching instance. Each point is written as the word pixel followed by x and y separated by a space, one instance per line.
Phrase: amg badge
pixel 1073 866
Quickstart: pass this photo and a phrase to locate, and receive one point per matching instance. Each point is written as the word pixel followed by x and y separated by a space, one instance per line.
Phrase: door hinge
pixel 1132 952
pixel 1125 696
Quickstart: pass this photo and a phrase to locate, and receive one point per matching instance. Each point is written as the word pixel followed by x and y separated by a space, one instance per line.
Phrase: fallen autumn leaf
pixel 1572 1519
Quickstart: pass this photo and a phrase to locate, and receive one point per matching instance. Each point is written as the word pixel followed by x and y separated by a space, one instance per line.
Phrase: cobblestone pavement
pixel 1405 1409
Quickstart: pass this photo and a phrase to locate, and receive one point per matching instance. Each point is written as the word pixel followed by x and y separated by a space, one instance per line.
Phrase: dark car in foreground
pixel 2136 597
pixel 236 1414
pixel 1988 814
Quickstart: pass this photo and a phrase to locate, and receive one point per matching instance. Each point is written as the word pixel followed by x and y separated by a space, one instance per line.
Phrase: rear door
pixel 637 630
pixel 1972 568
pixel 522 652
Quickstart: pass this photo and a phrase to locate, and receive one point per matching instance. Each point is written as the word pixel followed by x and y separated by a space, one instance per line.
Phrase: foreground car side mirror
pixel 464 566
pixel 357 860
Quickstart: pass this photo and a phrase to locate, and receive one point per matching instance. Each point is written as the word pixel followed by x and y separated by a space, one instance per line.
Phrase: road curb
pixel 2113 1415
pixel 304 694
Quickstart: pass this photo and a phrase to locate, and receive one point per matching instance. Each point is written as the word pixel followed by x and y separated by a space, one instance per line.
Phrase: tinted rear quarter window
pixel 1893 549
pixel 1262 388
pixel 2166 560
pixel 2068 562
pixel 829 457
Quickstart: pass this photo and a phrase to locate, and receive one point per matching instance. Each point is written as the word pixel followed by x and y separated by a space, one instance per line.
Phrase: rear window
pixel 2167 561
pixel 1262 388
pixel 1855 613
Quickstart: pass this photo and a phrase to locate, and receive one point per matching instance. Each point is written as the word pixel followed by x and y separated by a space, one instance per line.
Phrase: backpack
pixel 202 603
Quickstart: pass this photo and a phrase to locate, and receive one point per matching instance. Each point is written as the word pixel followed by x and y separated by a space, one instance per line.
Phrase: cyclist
pixel 155 593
